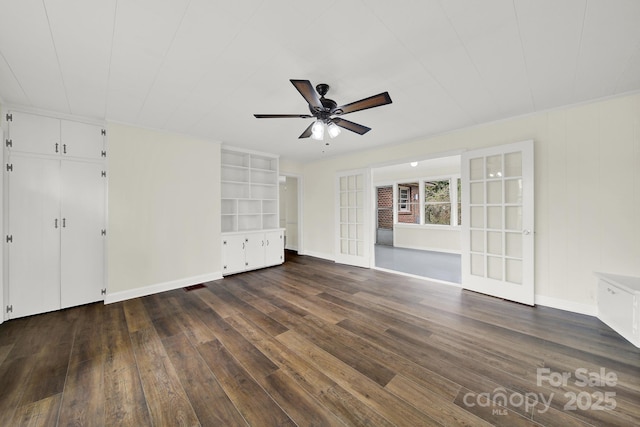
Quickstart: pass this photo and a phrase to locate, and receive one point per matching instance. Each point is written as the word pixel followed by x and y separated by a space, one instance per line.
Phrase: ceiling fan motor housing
pixel 328 105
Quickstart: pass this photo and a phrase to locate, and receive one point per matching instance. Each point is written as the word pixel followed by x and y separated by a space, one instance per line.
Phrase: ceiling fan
pixel 324 110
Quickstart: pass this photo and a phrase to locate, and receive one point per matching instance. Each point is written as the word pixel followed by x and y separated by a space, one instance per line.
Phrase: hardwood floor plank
pixel 4 352
pixel 117 348
pixel 301 407
pixel 14 374
pixel 255 405
pixel 43 413
pixel 386 404
pixel 256 363
pixel 432 404
pixel 125 403
pixel 168 403
pixel 83 400
pixel 212 406
pixel 136 315
pixel 342 404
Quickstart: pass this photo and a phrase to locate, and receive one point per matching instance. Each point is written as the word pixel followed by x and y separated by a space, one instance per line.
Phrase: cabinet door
pixel 34 227
pixel 255 244
pixel 31 133
pixel 82 222
pixel 233 254
pixel 81 140
pixel 274 247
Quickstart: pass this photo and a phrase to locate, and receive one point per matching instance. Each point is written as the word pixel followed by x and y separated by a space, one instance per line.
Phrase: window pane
pixel 437 214
pixel 436 191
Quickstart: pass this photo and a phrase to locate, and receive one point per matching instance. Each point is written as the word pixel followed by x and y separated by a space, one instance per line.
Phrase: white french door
pixel 498 220
pixel 352 218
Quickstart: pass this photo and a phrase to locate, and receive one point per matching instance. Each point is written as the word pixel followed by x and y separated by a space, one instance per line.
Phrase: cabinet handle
pixel 64 148
pixel 611 291
pixel 55 223
pixel 267 243
pixel 64 222
pixel 242 245
pixel 57 147
pixel 263 243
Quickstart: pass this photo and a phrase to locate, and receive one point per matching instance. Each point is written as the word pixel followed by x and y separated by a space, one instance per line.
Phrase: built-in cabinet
pixel 55 205
pixel 249 211
pixel 249 251
pixel 619 304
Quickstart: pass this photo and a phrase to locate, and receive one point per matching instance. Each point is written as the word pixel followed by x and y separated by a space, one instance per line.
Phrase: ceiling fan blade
pixel 309 93
pixel 363 104
pixel 282 116
pixel 307 132
pixel 353 127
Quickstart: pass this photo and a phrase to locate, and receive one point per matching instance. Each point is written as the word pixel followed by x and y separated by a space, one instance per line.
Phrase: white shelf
pixel 249 191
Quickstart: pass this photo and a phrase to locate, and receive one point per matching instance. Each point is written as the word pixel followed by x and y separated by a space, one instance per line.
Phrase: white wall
pixel 429 238
pixel 164 211
pixel 587 167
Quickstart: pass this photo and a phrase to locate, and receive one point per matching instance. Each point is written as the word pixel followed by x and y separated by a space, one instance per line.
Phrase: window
pixel 429 201
pixel 409 203
pixel 404 196
pixel 437 202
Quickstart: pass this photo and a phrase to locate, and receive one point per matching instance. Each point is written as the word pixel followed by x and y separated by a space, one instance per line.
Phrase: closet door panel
pixel 81 140
pixel 83 245
pixel 31 133
pixel 34 227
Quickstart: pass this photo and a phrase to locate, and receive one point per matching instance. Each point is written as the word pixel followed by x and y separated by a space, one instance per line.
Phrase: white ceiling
pixel 203 67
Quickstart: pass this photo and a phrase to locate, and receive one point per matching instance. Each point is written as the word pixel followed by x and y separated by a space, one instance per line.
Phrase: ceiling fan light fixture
pixel 317 131
pixel 333 129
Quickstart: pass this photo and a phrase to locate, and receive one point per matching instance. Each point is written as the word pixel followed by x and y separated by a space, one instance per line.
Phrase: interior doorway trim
pixel 300 208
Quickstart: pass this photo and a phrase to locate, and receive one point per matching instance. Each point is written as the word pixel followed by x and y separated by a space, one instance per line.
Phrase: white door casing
pixel 498 221
pixel 352 218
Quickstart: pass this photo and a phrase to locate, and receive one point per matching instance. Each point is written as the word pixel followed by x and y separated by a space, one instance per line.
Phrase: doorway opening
pixel 409 237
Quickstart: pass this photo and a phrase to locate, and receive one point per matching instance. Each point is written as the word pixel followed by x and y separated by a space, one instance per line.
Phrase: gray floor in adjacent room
pixel 434 265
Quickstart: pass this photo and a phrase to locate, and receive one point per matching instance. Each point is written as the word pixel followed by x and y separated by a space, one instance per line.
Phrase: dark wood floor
pixel 312 343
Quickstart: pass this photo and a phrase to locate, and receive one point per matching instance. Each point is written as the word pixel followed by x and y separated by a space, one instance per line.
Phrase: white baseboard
pixel 562 304
pixel 423 248
pixel 160 287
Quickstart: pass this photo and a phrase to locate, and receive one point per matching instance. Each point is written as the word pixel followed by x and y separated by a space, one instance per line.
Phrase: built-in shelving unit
pixel 249 191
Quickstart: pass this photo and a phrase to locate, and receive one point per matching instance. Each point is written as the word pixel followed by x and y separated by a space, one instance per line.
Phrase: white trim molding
pixel 160 287
pixel 566 305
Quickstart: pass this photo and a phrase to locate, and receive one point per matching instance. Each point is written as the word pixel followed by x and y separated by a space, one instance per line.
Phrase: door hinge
pixel 9 117
pixel 9 167
pixel 9 143
pixel 10 309
pixel 103 132
pixel 103 173
pixel 103 232
pixel 103 291
pixel 103 153
pixel 9 238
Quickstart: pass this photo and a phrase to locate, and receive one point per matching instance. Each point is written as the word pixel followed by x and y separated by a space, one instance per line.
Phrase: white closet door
pixel 31 133
pixel 82 221
pixel 34 227
pixel 81 140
